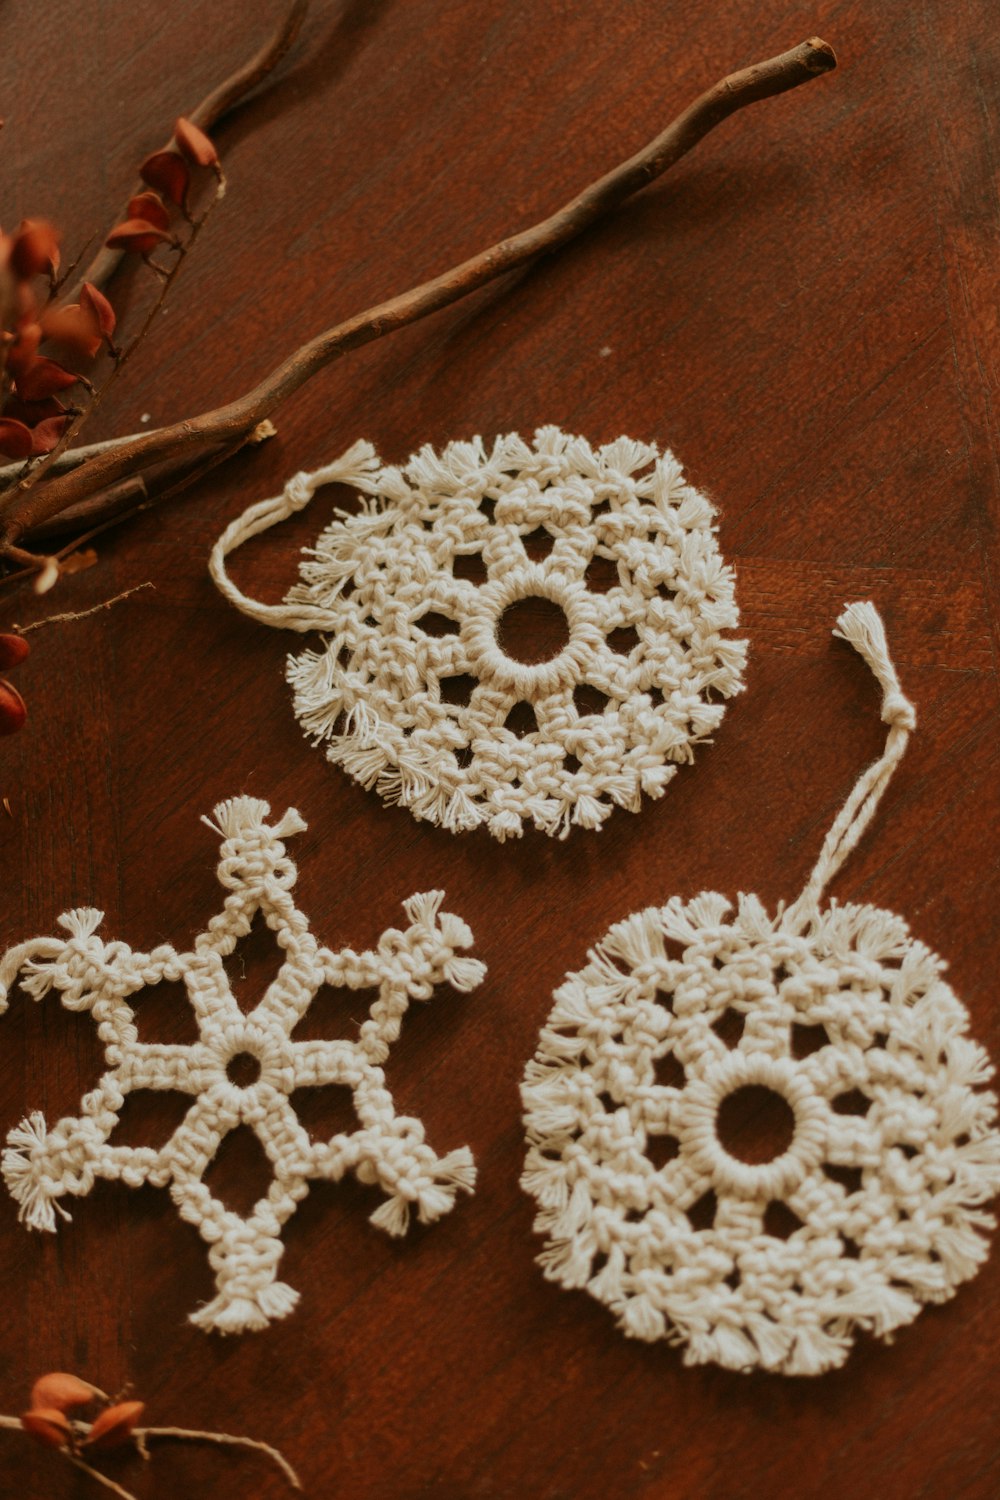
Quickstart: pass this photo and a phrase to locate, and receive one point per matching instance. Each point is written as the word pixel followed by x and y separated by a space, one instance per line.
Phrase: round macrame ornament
pixel 873 1204
pixel 413 692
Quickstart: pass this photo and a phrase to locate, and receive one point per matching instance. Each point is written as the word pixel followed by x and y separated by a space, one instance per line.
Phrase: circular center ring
pixel 699 1126
pixel 480 633
pixel 254 1052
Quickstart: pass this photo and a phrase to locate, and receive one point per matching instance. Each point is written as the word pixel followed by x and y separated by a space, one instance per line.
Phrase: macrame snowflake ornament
pixel 43 1165
pixel 413 692
pixel 683 1014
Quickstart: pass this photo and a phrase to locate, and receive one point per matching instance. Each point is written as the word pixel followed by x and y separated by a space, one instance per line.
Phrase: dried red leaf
pixel 15 438
pixel 13 650
pixel 49 1427
pixel 46 434
pixel 34 248
pixel 137 235
pixel 168 173
pixel 151 207
pixel 32 412
pixel 57 1390
pixel 43 377
pixel 23 348
pixel 25 303
pixel 195 144
pixel 115 1425
pixel 99 306
pixel 75 327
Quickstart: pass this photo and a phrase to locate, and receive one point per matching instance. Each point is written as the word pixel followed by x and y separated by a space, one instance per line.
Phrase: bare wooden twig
pixel 82 614
pixel 144 1435
pixel 225 1439
pixel 774 76
pixel 212 108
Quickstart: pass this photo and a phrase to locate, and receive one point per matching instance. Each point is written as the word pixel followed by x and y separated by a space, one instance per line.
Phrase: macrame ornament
pixel 412 691
pixel 876 1204
pixel 42 1165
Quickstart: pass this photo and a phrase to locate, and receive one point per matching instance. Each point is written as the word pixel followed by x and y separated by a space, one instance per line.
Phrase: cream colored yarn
pixel 873 1209
pixel 43 1165
pixel 423 718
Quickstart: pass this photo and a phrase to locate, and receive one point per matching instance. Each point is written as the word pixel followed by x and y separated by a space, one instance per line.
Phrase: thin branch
pixel 71 459
pixel 762 81
pixel 219 102
pixel 125 497
pixel 143 1435
pixel 226 1439
pixel 83 613
pixel 102 1479
pixel 129 497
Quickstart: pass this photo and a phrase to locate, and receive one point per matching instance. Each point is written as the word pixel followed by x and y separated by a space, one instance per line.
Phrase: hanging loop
pixel 861 626
pixel 359 467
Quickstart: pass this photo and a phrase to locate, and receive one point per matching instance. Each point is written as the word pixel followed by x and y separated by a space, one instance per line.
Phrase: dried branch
pixel 83 613
pixel 102 1479
pixel 69 460
pixel 77 1433
pixel 225 1438
pixel 762 81
pixel 212 108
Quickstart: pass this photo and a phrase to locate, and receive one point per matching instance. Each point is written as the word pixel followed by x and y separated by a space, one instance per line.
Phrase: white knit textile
pixel 422 717
pixel 844 1015
pixel 43 1165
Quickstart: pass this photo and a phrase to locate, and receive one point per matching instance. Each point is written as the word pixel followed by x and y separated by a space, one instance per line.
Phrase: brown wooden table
pixel 805 310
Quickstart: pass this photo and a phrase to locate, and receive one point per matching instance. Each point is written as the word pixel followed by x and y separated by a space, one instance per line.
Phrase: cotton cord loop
pixel 355 467
pixel 861 626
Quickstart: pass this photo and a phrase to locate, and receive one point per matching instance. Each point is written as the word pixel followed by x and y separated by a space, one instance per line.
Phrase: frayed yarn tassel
pixel 457 1168
pixel 506 825
pixel 239 816
pixel 36 1208
pixel 392 1216
pixel 861 626
pixel 815 1352
pixel 422 909
pixel 465 974
pixel 227 1314
pixel 639 1319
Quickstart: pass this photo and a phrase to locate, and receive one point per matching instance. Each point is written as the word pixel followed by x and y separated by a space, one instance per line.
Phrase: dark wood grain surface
pixel 805 311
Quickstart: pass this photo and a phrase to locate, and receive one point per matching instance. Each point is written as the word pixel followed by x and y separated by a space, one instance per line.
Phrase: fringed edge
pixel 237 817
pixel 450 1175
pixel 228 1313
pixel 35 1207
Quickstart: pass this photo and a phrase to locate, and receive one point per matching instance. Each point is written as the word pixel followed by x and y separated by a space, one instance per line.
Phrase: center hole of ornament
pixel 243 1069
pixel 532 630
pixel 755 1124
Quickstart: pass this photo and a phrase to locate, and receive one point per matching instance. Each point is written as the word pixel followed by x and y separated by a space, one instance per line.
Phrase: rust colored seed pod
pixel 195 144
pixel 13 710
pixel 115 1425
pixel 59 1391
pixel 49 1427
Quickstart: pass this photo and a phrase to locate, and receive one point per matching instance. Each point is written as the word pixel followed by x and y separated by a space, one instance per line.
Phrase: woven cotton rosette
pixel 413 692
pixel 874 1202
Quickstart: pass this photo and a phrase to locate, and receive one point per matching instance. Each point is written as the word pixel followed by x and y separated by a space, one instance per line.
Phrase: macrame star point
pixel 244 1068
